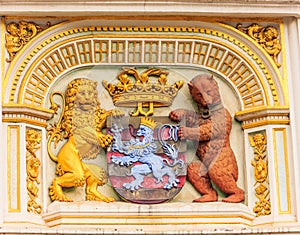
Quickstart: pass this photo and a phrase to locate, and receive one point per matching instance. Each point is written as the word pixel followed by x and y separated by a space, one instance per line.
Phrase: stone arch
pixel 54 53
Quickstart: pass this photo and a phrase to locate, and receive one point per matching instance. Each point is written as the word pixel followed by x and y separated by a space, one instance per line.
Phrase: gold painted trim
pixel 250 117
pixel 157 29
pixel 2 52
pixel 40 112
pixel 282 110
pixel 21 223
pixel 191 29
pixel 265 122
pixel 9 174
pixel 284 79
pixel 27 114
pixel 261 65
pixel 258 141
pixel 25 61
pixel 283 130
pixel 24 120
pixel 17 35
pixel 248 38
pixel 33 166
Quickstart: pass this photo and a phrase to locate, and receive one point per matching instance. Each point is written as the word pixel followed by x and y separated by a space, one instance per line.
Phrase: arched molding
pixel 224 46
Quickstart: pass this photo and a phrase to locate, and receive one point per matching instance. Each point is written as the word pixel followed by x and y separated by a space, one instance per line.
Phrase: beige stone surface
pixel 230 8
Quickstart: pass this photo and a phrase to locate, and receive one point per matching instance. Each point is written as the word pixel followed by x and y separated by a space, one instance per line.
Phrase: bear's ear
pixel 211 78
pixel 190 85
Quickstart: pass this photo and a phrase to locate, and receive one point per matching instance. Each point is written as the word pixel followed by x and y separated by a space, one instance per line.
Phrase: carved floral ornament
pixel 266 37
pixel 33 140
pixel 260 164
pixel 19 34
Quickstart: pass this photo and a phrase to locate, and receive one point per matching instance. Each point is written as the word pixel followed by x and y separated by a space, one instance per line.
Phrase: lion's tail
pixel 52 156
pixel 55 130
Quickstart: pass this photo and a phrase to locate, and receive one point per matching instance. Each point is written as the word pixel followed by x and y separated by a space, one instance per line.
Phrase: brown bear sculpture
pixel 210 127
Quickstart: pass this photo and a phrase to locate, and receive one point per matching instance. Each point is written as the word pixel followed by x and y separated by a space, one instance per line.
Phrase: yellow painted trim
pixel 206 19
pixel 13 63
pixel 288 191
pixel 265 122
pixel 262 108
pixel 45 110
pixel 3 55
pixel 262 83
pixel 256 44
pixel 275 68
pixel 284 80
pixel 25 120
pixel 9 175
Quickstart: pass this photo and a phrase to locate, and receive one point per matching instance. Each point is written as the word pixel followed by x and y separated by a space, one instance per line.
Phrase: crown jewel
pixel 128 93
pixel 149 122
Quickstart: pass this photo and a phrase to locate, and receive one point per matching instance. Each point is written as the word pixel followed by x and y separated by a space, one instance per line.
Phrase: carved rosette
pixel 33 140
pixel 266 37
pixel 260 164
pixel 19 34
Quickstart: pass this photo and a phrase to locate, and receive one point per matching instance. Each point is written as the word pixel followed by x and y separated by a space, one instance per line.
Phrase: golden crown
pixel 128 93
pixel 149 122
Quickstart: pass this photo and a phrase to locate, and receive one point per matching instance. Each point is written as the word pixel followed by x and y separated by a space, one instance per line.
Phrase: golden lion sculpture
pixel 81 124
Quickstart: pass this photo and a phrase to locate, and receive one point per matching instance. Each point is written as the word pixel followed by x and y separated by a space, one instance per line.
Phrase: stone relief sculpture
pixel 136 89
pixel 260 164
pixel 266 37
pixel 81 123
pixel 146 160
pixel 33 163
pixel 19 34
pixel 143 149
pixel 210 127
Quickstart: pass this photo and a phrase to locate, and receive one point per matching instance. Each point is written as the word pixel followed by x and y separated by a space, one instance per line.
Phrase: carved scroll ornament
pixel 267 37
pixel 33 139
pixel 260 164
pixel 19 34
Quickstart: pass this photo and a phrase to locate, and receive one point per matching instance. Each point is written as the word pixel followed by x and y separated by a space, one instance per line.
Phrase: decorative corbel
pixel 266 37
pixel 19 34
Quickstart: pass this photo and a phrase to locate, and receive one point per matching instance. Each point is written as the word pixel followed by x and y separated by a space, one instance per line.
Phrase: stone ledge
pixel 165 217
pixel 221 8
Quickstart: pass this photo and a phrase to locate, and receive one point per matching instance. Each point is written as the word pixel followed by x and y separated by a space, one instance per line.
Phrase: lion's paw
pixel 172 184
pixel 56 195
pixel 132 186
pixel 93 197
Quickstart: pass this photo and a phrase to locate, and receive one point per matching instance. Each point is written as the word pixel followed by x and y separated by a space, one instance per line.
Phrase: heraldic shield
pixel 147 163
